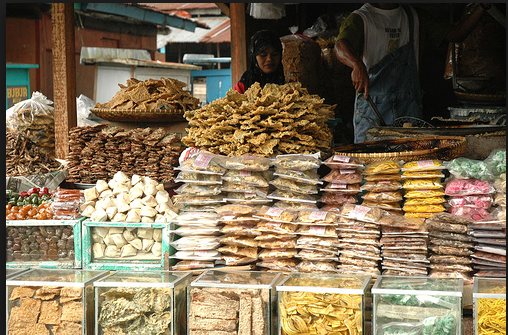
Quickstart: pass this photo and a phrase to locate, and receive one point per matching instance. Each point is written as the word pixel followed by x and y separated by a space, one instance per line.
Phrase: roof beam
pixel 223 7
pixel 142 14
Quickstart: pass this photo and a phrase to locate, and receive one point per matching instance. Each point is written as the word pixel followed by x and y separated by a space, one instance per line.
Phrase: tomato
pixel 44 190
pixel 33 190
pixel 23 194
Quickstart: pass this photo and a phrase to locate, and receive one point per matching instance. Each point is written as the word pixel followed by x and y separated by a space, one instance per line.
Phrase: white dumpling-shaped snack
pixel 98 250
pixel 101 231
pixel 159 218
pixel 119 188
pixel 135 192
pixel 121 178
pixel 146 233
pixel 122 206
pixel 96 238
pixel 101 185
pixel 86 204
pixel 128 250
pixel 133 216
pixel 106 194
pixel 137 203
pixel 90 193
pixel 108 240
pixel 157 234
pixel 147 219
pixel 111 211
pixel 147 180
pixel 148 211
pixel 162 196
pixel 149 200
pixel 170 215
pixel 160 187
pixel 112 183
pixel 119 217
pixel 157 249
pixel 128 235
pixel 147 244
pixel 136 178
pixel 149 189
pixel 136 243
pixel 115 230
pixel 100 204
pixel 112 251
pixel 88 211
pixel 119 240
pixel 99 215
pixel 162 207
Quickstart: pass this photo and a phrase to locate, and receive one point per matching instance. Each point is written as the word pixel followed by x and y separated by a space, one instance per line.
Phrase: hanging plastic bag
pixel 35 119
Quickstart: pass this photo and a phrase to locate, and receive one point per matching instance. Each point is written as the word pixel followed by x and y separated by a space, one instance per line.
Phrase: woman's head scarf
pixel 258 43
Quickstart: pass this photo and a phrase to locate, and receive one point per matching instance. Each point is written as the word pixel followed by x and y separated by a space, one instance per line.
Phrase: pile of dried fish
pixel 268 121
pixel 98 152
pixel 24 158
pixel 136 311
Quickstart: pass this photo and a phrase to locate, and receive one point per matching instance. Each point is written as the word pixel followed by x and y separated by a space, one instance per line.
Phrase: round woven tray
pixel 136 115
pixel 406 149
pixel 475 97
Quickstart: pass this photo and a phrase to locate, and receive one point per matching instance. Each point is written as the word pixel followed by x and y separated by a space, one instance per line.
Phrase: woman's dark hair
pixel 258 43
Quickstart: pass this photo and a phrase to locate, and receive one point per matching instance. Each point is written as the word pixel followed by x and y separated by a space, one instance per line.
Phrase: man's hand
pixel 360 78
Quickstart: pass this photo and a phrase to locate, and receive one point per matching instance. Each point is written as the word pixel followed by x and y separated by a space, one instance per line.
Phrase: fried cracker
pixel 68 328
pixel 22 292
pixel 47 292
pixel 72 311
pixel 34 329
pixel 50 312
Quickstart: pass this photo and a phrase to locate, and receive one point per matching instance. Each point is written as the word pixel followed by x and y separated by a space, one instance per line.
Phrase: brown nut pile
pixel 98 152
pixel 165 93
pixel 273 120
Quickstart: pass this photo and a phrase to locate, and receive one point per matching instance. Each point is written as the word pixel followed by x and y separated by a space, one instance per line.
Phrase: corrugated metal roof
pixel 219 33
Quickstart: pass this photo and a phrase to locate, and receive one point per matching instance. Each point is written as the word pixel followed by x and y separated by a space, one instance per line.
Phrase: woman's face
pixel 268 60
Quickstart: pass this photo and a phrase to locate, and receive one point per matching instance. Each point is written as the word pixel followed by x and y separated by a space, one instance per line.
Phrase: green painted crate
pixel 140 262
pixel 35 258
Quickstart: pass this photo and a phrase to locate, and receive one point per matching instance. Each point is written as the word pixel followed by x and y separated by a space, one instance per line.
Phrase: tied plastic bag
pixel 83 105
pixel 35 119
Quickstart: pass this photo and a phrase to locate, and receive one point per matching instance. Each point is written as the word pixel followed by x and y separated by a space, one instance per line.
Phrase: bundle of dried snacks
pixel 383 188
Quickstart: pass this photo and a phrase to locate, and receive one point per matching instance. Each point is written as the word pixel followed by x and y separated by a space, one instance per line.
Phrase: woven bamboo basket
pixel 406 149
pixel 135 115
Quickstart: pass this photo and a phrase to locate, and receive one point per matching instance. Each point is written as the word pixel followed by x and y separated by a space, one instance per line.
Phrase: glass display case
pixel 321 304
pixel 231 302
pixel 133 302
pixel 127 246
pixel 50 244
pixel 489 305
pixel 10 272
pixel 417 305
pixel 51 301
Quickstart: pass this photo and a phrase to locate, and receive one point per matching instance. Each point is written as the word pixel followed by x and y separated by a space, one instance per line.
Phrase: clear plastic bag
pixel 423 165
pixel 300 162
pixel 477 201
pixel 383 167
pixel 291 185
pixel 34 118
pixel 422 184
pixel 465 168
pixel 343 162
pixel 307 177
pixel 345 176
pixel 471 186
pixel 247 163
pixel 381 186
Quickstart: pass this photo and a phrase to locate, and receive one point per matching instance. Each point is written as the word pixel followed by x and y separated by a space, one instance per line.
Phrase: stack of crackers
pixel 268 121
pixel 166 94
pixel 98 152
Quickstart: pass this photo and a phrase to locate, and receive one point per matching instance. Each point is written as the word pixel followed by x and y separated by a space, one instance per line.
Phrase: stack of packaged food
pixel 358 233
pixel 197 242
pixel 239 246
pixel 424 191
pixel 383 186
pixel 489 257
pixel 342 182
pixel 296 181
pixel 404 246
pixel 200 173
pixel 470 198
pixel 277 242
pixel 450 245
pixel 315 226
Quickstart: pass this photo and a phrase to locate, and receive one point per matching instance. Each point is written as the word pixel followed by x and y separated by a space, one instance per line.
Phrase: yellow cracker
pixel 72 311
pixel 50 312
pixel 22 292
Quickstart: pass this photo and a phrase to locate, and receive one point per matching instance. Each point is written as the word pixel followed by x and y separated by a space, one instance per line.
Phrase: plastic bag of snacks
pixel 35 119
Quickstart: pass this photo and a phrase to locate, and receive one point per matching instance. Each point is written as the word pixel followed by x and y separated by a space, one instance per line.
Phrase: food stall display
pixel 98 152
pixel 268 121
pixel 44 301
pixel 321 304
pixel 383 188
pixel 489 306
pixel 417 305
pixel 359 233
pixel 423 188
pixel 342 183
pixel 240 302
pixel 11 272
pixel 136 302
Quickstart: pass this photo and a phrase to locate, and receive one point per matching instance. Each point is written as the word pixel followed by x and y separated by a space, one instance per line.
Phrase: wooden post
pixel 238 43
pixel 64 75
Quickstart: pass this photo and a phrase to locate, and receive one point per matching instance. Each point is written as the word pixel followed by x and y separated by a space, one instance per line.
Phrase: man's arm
pixel 348 56
pixel 459 32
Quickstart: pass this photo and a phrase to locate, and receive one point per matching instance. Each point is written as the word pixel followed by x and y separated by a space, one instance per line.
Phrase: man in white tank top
pixel 381 43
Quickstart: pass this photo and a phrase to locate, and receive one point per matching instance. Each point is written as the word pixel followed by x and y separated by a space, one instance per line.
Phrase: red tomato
pixel 43 190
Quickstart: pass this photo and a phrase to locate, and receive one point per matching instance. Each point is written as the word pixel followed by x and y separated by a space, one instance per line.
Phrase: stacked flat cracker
pixel 166 93
pixel 268 121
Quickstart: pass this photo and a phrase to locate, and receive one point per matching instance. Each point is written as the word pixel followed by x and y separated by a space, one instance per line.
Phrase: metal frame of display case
pixel 479 295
